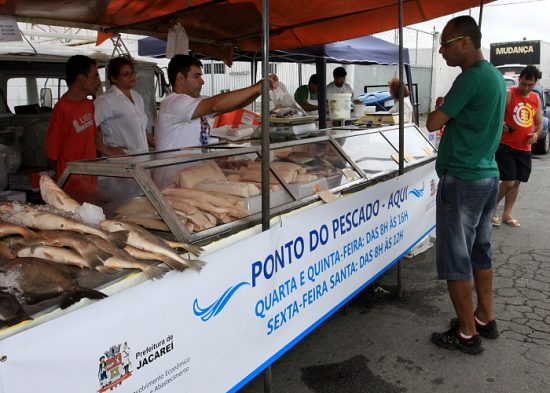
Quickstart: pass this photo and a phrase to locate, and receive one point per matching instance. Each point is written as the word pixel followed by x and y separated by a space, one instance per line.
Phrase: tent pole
pixel 321 70
pixel 265 117
pixel 412 97
pixel 480 13
pixel 254 76
pixel 401 133
pixel 265 144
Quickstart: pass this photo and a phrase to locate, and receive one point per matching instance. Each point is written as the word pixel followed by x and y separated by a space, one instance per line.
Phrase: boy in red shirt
pixel 72 130
pixel 522 127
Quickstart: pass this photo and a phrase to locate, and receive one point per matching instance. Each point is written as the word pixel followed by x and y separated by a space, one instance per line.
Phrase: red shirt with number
pixel 71 137
pixel 520 114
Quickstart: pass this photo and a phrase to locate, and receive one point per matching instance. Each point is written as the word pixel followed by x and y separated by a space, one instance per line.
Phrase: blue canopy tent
pixel 362 50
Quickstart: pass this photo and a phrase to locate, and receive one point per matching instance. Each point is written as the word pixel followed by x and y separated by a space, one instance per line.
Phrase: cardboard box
pixel 28 179
pixel 13 196
pixel 240 116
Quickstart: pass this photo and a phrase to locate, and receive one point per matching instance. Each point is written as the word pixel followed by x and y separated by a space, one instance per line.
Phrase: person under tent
pixel 120 112
pixel 306 95
pixel 71 134
pixel 339 85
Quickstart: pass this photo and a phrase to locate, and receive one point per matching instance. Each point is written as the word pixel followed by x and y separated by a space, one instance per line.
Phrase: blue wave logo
pixel 417 192
pixel 215 308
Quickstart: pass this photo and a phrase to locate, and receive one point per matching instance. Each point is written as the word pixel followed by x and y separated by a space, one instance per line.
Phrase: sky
pixel 504 20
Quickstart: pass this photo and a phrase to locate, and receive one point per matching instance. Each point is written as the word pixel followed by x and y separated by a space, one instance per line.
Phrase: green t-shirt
pixel 475 105
pixel 302 94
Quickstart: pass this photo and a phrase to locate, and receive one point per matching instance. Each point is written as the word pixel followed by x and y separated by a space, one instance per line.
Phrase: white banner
pixel 214 331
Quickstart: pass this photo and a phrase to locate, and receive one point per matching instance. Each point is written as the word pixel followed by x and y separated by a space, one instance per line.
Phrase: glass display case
pixel 196 193
pixel 370 151
pixel 376 150
pixel 200 193
pixel 417 146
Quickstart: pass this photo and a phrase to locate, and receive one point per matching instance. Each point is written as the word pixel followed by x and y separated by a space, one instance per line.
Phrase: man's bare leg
pixel 460 292
pixel 509 201
pixel 483 279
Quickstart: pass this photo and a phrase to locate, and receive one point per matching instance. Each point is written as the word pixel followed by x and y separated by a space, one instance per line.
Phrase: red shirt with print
pixel 71 137
pixel 520 114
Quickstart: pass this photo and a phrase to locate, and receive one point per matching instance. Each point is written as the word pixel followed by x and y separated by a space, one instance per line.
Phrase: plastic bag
pixel 177 41
pixel 281 97
pixel 284 101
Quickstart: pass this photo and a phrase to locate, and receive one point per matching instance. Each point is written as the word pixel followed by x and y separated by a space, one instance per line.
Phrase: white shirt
pixel 175 128
pixel 407 109
pixel 333 89
pixel 122 122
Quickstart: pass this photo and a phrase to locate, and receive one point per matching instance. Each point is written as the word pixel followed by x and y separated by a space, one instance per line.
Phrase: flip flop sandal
pixel 495 221
pixel 512 222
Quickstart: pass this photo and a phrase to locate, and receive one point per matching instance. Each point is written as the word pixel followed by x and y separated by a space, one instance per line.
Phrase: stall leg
pixel 400 279
pixel 267 380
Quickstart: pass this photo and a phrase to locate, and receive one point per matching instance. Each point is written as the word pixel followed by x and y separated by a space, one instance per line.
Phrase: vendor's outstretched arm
pixel 232 100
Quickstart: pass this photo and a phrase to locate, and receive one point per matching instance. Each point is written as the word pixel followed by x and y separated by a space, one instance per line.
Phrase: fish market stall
pixel 341 216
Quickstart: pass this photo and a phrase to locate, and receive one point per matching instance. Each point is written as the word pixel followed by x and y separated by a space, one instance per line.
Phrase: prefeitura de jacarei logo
pixel 114 367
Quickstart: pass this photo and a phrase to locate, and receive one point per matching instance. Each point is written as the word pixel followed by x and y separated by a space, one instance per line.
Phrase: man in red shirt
pixel 522 127
pixel 72 130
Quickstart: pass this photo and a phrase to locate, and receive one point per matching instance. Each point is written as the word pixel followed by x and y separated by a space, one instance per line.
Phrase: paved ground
pixel 382 344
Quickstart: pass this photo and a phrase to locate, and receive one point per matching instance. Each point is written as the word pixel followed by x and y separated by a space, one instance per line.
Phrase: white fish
pixel 24 214
pixel 150 271
pixel 151 256
pixel 195 250
pixel 8 229
pixel 73 240
pixel 57 254
pixel 120 259
pixel 142 239
pixel 55 196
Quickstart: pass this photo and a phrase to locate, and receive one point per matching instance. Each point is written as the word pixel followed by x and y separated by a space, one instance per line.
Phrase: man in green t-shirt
pixel 472 113
pixel 306 95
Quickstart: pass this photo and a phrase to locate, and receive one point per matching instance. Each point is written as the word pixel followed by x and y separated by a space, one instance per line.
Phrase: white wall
pixel 443 76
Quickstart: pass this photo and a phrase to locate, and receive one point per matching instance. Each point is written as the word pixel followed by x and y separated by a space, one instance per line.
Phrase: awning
pixel 218 26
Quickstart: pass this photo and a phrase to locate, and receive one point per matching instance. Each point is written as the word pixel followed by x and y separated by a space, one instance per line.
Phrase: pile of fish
pixel 217 191
pixel 37 242
pixel 203 198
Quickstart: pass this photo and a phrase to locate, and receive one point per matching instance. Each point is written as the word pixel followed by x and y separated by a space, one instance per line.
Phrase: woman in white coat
pixel 120 112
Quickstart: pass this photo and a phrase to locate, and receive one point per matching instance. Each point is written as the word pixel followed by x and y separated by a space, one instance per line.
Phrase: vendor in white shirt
pixel 120 112
pixel 181 121
pixel 339 85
